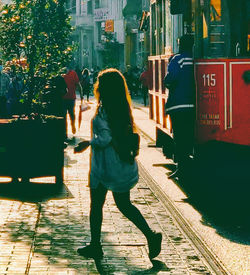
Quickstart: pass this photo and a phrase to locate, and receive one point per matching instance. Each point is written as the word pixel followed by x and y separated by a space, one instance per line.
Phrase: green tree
pixel 38 32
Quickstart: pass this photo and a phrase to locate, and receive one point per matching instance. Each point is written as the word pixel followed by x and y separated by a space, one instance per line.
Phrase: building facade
pixel 81 12
pixel 136 18
pixel 99 32
pixel 109 33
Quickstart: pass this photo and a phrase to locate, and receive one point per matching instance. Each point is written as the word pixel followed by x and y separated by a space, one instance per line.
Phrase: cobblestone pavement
pixel 40 234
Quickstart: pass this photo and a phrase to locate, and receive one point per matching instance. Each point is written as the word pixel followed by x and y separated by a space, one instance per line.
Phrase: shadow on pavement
pixel 33 192
pixel 56 237
pixel 155 269
pixel 54 233
pixel 218 186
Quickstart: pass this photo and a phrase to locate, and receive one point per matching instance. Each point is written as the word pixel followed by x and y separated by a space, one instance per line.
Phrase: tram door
pixel 222 69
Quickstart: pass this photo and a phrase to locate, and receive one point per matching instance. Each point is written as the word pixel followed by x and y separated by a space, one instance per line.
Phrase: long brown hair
pixel 111 91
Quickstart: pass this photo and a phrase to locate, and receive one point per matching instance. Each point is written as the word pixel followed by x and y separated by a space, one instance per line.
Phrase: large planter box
pixel 31 148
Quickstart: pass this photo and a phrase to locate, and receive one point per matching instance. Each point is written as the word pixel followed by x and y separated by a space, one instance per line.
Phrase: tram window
pixel 153 30
pixel 239 12
pixel 223 28
pixel 160 38
pixel 248 28
pixel 157 27
pixel 168 31
pixel 214 29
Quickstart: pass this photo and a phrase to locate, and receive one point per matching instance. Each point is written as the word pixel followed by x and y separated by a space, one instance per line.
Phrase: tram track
pixel 211 260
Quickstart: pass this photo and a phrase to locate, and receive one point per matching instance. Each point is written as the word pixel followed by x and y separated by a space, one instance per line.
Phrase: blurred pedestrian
pixel 91 77
pixel 73 83
pixel 15 91
pixel 79 73
pixel 4 88
pixel 145 80
pixel 129 78
pixel 135 80
pixel 95 74
pixel 113 165
pixel 57 90
pixel 86 83
pixel 181 103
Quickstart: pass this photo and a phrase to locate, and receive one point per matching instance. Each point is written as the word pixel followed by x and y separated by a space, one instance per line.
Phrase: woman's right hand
pixel 81 147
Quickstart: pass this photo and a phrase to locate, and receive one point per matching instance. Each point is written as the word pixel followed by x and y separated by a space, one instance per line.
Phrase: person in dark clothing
pixel 95 74
pixel 58 88
pixel 16 88
pixel 144 79
pixel 181 103
pixel 85 82
pixel 79 73
pixel 4 88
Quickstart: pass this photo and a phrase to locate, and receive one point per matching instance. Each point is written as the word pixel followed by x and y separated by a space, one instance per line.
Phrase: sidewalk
pixel 229 245
pixel 41 236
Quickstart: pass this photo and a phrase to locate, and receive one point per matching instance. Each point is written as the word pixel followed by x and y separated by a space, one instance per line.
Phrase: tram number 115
pixel 209 80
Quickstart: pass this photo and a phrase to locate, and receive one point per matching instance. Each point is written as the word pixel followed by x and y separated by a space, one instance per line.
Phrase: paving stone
pixel 43 236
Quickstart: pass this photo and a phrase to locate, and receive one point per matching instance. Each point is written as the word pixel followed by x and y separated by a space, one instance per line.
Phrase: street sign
pixel 109 26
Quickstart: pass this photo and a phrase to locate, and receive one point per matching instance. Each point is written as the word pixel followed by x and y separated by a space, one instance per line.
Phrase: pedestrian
pixel 113 166
pixel 4 88
pixel 95 74
pixel 86 83
pixel 79 72
pixel 144 79
pixel 73 83
pixel 56 91
pixel 134 78
pixel 181 103
pixel 15 91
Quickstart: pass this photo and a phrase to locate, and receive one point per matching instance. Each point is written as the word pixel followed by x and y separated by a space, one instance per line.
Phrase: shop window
pixel 97 4
pixel 99 30
pixel 89 7
pixel 73 6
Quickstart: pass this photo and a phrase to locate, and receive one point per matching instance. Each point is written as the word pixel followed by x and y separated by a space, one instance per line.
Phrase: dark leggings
pixel 69 107
pixel 123 203
pixel 183 130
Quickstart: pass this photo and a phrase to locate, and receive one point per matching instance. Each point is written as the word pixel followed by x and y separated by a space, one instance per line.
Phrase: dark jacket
pixel 180 82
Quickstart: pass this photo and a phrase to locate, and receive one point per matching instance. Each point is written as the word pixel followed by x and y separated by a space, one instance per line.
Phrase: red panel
pixel 210 100
pixel 156 75
pixel 223 101
pixel 240 131
pixel 163 73
pixel 163 113
pixel 151 109
pixel 150 67
pixel 157 109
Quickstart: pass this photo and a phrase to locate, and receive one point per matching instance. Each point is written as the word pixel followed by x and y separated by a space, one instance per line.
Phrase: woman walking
pixel 113 165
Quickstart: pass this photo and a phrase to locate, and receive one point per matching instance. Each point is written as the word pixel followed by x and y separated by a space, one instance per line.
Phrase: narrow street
pixel 42 226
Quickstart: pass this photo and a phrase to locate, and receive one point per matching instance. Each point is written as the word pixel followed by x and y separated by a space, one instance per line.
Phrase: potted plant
pixel 34 38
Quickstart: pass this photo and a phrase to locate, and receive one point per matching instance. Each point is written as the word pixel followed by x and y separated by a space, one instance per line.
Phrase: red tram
pixel 221 29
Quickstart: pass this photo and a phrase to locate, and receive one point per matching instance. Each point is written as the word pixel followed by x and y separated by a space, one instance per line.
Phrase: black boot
pixel 91 251
pixel 154 245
